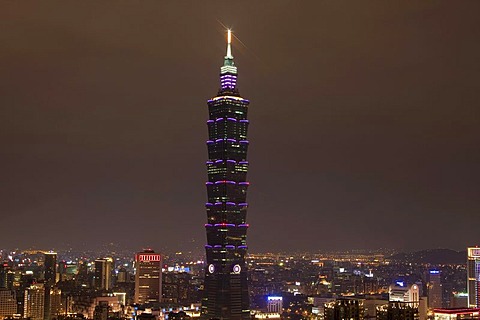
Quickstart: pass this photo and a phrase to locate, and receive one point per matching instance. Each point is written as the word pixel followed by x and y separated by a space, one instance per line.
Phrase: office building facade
pixel 148 277
pixel 103 274
pixel 342 309
pixel 397 310
pixel 434 289
pixel 473 277
pixel 8 303
pixel 274 304
pixel 401 292
pixel 50 266
pixel 34 302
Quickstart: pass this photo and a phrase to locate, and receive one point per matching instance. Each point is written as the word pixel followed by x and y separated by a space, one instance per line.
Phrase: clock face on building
pixel 211 268
pixel 237 268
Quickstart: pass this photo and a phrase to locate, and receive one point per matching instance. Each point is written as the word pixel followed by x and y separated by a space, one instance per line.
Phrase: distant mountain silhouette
pixel 432 256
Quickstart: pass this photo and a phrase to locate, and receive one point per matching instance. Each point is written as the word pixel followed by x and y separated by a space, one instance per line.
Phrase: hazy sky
pixel 365 122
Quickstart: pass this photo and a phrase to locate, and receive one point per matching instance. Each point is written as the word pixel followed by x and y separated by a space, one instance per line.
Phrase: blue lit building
pixel 226 292
pixel 434 289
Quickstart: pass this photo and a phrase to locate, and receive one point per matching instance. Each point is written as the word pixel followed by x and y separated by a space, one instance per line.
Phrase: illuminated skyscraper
pixel 473 277
pixel 434 289
pixel 103 274
pixel 50 265
pixel 50 275
pixel 8 303
pixel 398 310
pixel 274 304
pixel 344 309
pixel 56 303
pixel 401 292
pixel 226 292
pixel 148 277
pixel 34 302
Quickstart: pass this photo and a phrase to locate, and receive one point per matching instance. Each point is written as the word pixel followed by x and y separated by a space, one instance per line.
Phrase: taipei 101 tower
pixel 226 292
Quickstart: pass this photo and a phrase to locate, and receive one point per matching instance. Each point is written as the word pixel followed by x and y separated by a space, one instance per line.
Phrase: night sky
pixel 364 122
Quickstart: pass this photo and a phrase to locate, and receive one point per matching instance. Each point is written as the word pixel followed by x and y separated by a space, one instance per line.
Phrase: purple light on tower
pixel 228 81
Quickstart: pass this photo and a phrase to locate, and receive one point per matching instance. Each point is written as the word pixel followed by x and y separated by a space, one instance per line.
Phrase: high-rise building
pixel 50 266
pixel 103 274
pixel 401 292
pixel 473 277
pixel 55 304
pixel 459 300
pixel 4 269
pixel 34 302
pixel 8 303
pixel 123 276
pixel 397 310
pixel 274 304
pixel 148 277
pixel 434 289
pixel 226 292
pixel 344 309
pixel 50 276
pixel 179 287
pixel 82 278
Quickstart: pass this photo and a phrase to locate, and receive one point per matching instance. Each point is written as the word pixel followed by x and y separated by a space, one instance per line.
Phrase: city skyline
pixel 366 123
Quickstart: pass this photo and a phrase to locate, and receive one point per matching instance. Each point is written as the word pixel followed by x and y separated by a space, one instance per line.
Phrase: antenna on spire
pixel 229 44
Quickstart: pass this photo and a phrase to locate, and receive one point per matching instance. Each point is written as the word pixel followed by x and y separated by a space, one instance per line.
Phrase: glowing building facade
pixel 103 274
pixel 434 289
pixel 50 275
pixel 401 292
pixel 34 302
pixel 50 267
pixel 226 292
pixel 274 304
pixel 473 277
pixel 148 277
pixel 344 308
pixel 8 303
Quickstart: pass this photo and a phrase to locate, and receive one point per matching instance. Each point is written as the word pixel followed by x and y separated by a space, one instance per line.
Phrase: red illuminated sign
pixel 148 257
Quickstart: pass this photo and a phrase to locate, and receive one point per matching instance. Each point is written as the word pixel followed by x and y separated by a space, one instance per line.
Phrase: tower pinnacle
pixel 228 72
pixel 228 60
pixel 229 45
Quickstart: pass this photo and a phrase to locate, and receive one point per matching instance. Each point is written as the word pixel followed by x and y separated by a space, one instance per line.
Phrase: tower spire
pixel 229 45
pixel 228 61
pixel 228 72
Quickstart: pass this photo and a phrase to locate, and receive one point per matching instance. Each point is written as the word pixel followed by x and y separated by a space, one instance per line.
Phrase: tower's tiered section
pixel 226 292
